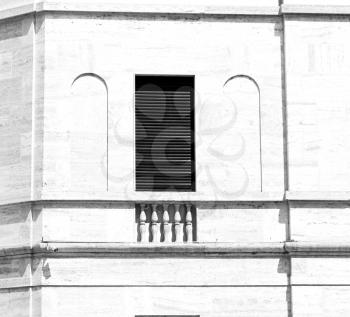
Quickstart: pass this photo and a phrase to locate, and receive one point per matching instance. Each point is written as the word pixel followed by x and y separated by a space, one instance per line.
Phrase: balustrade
pixel 165 223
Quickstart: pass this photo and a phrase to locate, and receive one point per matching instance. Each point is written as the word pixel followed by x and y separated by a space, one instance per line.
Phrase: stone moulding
pixel 267 197
pixel 32 6
pixel 315 9
pixel 47 250
pixel 317 196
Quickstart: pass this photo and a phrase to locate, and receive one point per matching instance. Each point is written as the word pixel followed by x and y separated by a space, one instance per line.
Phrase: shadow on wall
pixel 17 27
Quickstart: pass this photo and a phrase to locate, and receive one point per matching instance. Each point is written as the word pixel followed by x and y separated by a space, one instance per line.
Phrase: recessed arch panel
pixel 88 133
pixel 244 93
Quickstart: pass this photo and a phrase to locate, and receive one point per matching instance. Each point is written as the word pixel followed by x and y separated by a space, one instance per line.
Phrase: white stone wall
pixel 272 210
pixel 16 59
pixel 317 70
pixel 228 161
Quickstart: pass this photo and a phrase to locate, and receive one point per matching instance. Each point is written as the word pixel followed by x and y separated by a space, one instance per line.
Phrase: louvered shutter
pixel 164 133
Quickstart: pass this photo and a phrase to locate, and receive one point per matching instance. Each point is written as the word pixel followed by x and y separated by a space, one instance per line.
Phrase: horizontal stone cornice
pixel 192 198
pixel 305 249
pixel 10 9
pixel 316 9
pixel 317 195
pixel 31 6
pixel 148 197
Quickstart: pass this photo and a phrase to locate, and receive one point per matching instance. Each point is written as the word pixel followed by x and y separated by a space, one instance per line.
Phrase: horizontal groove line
pixel 157 153
pixel 157 97
pixel 166 161
pixel 155 171
pixel 167 106
pixel 153 104
pixel 182 174
pixel 149 156
pixel 170 180
pixel 186 158
pixel 175 115
pixel 169 168
pixel 143 160
pixel 141 141
pixel 167 112
pixel 151 159
pixel 165 165
pixel 178 123
pixel 159 144
pixel 146 102
pixel 141 100
pixel 162 91
pixel 164 128
pixel 143 171
pixel 164 178
pixel 152 135
pixel 164 186
pixel 184 167
pixel 176 118
pixel 177 181
pixel 163 95
pixel 155 135
pixel 177 285
pixel 160 112
pixel 164 106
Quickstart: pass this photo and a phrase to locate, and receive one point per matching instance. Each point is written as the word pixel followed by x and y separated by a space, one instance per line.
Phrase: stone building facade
pixel 265 231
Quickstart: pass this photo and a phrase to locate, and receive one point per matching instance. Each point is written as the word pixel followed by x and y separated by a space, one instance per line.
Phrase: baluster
pixel 177 219
pixel 143 224
pixel 167 229
pixel 189 223
pixel 154 228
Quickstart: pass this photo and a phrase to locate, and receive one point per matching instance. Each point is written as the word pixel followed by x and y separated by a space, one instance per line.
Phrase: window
pixel 165 158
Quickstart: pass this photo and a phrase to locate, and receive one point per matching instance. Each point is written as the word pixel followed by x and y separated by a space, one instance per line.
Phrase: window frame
pixel 193 131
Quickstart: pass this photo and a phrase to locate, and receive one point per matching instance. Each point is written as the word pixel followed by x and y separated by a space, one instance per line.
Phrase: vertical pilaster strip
pixel 32 175
pixel 285 154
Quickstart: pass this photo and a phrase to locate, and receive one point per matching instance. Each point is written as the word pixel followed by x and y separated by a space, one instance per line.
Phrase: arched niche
pixel 88 133
pixel 244 94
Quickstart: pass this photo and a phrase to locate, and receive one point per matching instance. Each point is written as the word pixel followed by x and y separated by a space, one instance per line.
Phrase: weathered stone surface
pixel 270 213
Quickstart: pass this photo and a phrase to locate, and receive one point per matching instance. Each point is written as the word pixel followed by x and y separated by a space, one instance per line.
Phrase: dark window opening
pixel 165 156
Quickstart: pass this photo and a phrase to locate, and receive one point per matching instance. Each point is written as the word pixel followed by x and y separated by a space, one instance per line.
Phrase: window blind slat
pixel 164 131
